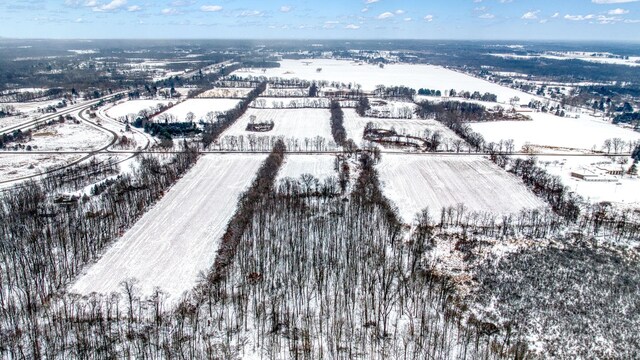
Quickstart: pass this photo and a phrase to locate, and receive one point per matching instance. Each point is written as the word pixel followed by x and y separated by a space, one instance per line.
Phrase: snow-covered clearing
pixel 623 191
pixel 416 182
pixel 225 93
pixel 26 107
pixel 320 166
pixel 289 123
pixel 179 236
pixel 369 76
pixel 291 102
pixel 200 108
pixel 16 166
pixel 134 107
pixel 277 92
pixel 354 124
pixel 8 121
pixel 69 136
pixel 587 133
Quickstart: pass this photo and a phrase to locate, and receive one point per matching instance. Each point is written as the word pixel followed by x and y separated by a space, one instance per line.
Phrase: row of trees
pixel 264 143
pixel 45 245
pixel 337 124
pixel 213 129
pixel 298 103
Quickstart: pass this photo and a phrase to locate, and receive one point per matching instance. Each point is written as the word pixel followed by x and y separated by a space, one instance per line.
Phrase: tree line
pixel 214 129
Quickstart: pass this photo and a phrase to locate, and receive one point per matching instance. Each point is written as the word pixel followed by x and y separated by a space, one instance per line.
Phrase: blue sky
pixel 326 19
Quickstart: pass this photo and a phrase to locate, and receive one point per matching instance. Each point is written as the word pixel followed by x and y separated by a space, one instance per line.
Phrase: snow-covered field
pixel 289 123
pixel 15 166
pixel 179 236
pixel 225 93
pixel 26 107
pixel 8 121
pixel 586 133
pixel 133 107
pixel 354 124
pixel 271 91
pixel 69 136
pixel 624 191
pixel 282 102
pixel 200 107
pixel 416 182
pixel 369 76
pixel 320 166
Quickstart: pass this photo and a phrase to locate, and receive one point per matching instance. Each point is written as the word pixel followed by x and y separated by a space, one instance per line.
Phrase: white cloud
pixel 364 10
pixel 399 12
pixel 428 18
pixel 407 19
pixel 487 16
pixel 251 13
pixel 352 27
pixel 370 1
pixel 531 15
pixel 618 11
pixel 543 21
pixel 612 1
pixel 579 17
pixel 211 8
pixel 385 15
pixel 112 6
pixel 330 24
pixel 555 15
pixel 285 8
pixel 169 11
pixel 134 8
pixel 599 19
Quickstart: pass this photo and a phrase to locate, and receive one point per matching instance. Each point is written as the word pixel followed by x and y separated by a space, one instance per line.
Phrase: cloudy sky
pixel 326 19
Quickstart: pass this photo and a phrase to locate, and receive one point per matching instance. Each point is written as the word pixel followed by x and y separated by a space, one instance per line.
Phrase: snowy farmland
pixel 298 124
pixel 134 107
pixel 14 166
pixel 179 236
pixel 320 166
pixel 200 108
pixel 354 124
pixel 225 93
pixel 69 136
pixel 586 133
pixel 415 182
pixel 369 76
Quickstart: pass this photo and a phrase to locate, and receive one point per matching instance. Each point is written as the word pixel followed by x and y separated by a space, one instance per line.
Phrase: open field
pixel 8 121
pixel 68 136
pixel 586 133
pixel 225 93
pixel 355 124
pixel 369 76
pixel 320 166
pixel 200 107
pixel 133 107
pixel 291 102
pixel 17 166
pixel 289 123
pixel 415 183
pixel 178 237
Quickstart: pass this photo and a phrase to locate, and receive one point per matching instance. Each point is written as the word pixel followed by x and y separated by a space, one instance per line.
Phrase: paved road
pixel 68 110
